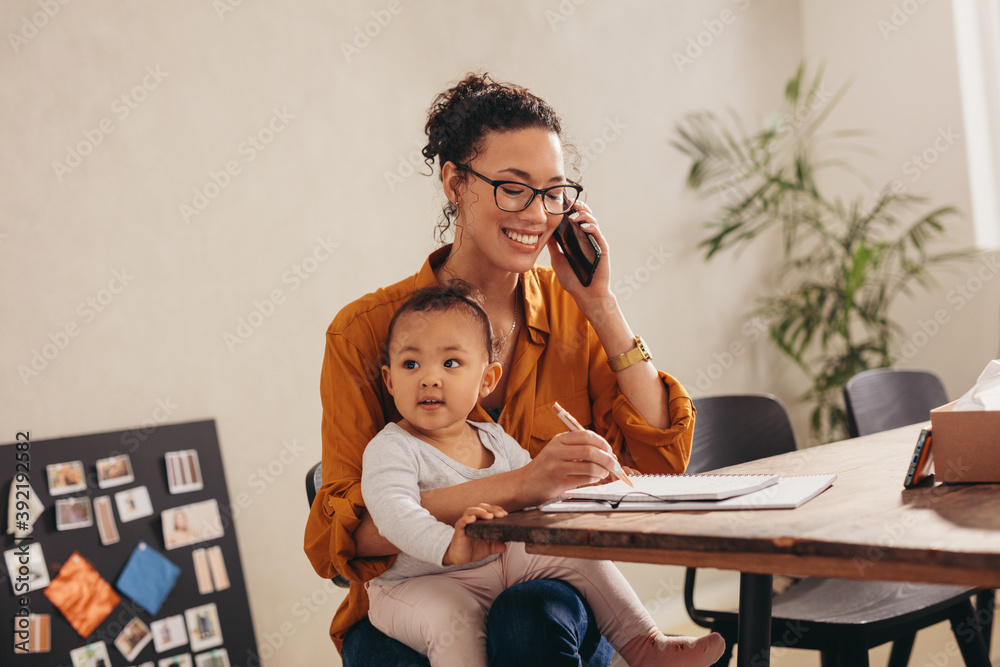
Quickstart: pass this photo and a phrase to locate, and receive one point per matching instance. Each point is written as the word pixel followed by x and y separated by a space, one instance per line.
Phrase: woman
pixel 500 156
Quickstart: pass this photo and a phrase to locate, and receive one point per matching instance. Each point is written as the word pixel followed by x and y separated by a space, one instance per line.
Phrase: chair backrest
pixel 314 480
pixel 738 428
pixel 729 430
pixel 885 398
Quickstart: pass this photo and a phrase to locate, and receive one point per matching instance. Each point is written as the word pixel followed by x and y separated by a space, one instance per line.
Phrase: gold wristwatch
pixel 633 356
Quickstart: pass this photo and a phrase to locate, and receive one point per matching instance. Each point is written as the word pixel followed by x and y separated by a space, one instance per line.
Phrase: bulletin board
pixel 147 449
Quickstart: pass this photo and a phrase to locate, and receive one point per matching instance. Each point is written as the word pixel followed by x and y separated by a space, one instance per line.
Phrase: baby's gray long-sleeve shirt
pixel 396 468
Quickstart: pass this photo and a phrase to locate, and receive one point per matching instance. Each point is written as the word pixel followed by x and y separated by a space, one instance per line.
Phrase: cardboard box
pixel 966 445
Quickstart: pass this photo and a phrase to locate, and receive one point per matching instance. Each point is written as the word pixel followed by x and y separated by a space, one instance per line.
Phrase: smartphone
pixel 579 248
pixel 922 461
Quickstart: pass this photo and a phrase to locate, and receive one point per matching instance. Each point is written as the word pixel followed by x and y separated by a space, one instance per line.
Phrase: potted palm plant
pixel 844 262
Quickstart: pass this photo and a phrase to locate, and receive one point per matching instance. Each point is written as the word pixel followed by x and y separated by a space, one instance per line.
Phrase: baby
pixel 437 593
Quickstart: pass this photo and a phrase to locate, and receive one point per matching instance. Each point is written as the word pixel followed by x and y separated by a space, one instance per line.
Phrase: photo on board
pixel 114 471
pixel 190 524
pixel 74 512
pixel 66 478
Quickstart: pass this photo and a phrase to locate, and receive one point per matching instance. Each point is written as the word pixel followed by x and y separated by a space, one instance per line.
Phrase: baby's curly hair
pixel 460 118
pixel 456 294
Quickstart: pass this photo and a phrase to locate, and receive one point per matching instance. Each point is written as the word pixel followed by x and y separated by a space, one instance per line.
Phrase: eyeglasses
pixel 514 197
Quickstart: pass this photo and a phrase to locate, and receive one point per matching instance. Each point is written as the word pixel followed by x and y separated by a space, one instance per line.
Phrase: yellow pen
pixel 573 425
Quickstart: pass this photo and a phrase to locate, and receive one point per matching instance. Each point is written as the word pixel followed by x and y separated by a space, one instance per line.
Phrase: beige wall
pixel 905 89
pixel 317 196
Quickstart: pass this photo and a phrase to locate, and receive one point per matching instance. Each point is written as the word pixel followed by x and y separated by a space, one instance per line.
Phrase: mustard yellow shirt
pixel 558 357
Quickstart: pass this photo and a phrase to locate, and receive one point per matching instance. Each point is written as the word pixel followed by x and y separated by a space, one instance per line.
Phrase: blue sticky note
pixel 148 577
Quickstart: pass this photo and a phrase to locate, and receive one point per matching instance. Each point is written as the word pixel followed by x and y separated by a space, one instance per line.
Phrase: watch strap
pixel 633 356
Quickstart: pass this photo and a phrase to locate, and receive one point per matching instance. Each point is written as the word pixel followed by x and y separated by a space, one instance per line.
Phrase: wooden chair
pixel 885 398
pixel 840 618
pixel 314 480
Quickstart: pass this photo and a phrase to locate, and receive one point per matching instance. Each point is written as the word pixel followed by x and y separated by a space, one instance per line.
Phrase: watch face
pixel 641 346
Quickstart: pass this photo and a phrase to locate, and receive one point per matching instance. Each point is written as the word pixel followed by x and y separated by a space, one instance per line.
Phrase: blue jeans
pixel 540 622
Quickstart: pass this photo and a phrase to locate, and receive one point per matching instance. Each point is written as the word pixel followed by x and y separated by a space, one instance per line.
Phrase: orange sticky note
pixel 79 592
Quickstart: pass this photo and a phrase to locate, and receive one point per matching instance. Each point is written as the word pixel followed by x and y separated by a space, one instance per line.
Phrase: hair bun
pixel 460 117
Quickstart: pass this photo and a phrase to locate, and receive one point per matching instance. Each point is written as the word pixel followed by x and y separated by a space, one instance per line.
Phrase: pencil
pixel 573 425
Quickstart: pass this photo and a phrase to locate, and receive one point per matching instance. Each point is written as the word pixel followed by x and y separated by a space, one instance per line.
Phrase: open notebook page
pixel 702 486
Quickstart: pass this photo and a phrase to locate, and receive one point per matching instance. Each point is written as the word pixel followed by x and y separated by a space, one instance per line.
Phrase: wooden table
pixel 866 526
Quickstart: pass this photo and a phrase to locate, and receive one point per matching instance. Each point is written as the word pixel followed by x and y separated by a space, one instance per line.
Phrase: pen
pixel 573 425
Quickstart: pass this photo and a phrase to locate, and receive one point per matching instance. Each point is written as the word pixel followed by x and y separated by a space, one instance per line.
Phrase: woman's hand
pixel 567 461
pixel 639 383
pixel 611 477
pixel 595 297
pixel 464 549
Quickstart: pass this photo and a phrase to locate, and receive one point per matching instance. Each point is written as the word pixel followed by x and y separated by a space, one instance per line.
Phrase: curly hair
pixel 456 294
pixel 460 118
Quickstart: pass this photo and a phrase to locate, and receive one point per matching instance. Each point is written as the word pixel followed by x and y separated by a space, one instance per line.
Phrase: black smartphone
pixel 922 461
pixel 580 249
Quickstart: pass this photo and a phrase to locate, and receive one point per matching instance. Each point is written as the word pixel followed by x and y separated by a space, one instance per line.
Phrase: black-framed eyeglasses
pixel 514 197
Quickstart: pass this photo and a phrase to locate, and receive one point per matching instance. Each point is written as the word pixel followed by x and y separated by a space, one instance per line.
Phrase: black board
pixel 146 448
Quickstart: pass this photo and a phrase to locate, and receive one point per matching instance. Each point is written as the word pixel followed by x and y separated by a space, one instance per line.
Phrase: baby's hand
pixel 464 549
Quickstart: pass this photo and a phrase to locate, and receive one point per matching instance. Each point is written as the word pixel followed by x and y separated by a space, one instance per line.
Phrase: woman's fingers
pixel 589 447
pixel 570 460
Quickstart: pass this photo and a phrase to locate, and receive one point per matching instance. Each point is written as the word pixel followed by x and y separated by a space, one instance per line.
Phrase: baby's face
pixel 437 363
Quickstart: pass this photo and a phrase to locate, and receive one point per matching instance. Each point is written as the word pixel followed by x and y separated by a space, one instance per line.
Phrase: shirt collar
pixel 425 276
pixel 536 314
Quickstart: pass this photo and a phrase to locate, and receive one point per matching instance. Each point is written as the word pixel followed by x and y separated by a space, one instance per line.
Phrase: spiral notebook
pixel 789 492
pixel 701 486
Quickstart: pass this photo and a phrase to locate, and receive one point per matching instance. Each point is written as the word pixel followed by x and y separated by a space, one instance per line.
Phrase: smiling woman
pixel 500 155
